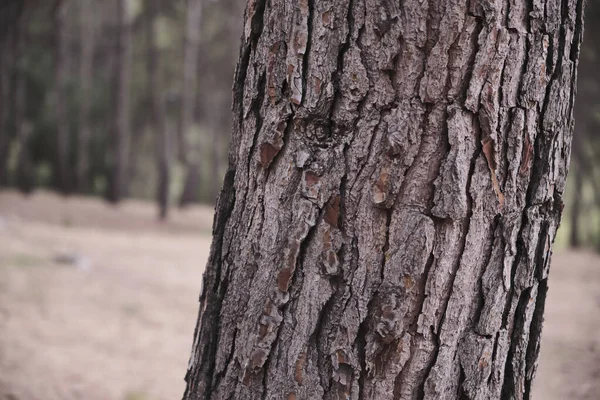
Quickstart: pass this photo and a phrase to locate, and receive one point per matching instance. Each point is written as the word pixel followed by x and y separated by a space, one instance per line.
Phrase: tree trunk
pixel 10 13
pixel 189 146
pixel 215 162
pixel 121 143
pixel 158 114
pixel 61 99
pixel 24 169
pixel 191 185
pixel 86 18
pixel 395 183
pixel 5 71
pixel 575 234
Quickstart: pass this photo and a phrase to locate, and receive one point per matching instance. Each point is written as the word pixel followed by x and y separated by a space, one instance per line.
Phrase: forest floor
pixel 99 303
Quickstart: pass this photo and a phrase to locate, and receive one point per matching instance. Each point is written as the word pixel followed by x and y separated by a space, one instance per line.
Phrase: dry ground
pixel 99 303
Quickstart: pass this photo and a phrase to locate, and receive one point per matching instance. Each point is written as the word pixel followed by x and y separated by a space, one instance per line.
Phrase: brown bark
pixel 85 81
pixel 395 183
pixel 122 128
pixel 158 114
pixel 189 150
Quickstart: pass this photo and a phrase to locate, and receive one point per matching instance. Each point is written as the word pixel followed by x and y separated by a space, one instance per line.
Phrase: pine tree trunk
pixel 158 114
pixel 86 17
pixel 189 146
pixel 122 128
pixel 575 233
pixel 61 63
pixel 396 179
pixel 191 185
pixel 215 163
pixel 5 72
pixel 24 174
pixel 10 19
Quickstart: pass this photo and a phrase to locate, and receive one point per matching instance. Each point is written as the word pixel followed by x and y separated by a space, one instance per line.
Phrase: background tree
pixel 585 205
pixel 189 151
pixel 122 125
pixel 92 125
pixel 159 123
pixel 10 13
pixel 24 173
pixel 62 63
pixel 86 32
pixel 396 178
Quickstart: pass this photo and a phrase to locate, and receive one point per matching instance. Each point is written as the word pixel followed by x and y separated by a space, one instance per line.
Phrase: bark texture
pixel 395 183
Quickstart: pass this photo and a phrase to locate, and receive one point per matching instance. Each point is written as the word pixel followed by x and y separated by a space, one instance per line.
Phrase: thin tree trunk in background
pixel 5 60
pixel 191 185
pixel 575 234
pixel 122 126
pixel 189 146
pixel 10 12
pixel 60 98
pixel 158 112
pixel 584 174
pixel 86 19
pixel 396 180
pixel 215 162
pixel 24 169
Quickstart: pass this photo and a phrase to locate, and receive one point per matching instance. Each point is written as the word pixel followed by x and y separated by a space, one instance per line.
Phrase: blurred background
pixel 114 127
pixel 118 99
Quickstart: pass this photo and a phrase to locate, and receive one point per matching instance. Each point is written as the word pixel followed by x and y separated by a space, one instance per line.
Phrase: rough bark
pixel 396 179
pixel 189 147
pixel 158 114
pixel 85 83
pixel 122 106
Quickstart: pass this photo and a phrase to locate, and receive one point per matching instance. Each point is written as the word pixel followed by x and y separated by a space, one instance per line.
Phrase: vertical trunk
pixel 24 169
pixel 61 98
pixel 10 12
pixel 189 146
pixel 395 183
pixel 158 117
pixel 86 18
pixel 575 234
pixel 122 75
pixel 5 137
pixel 215 161
pixel 191 185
